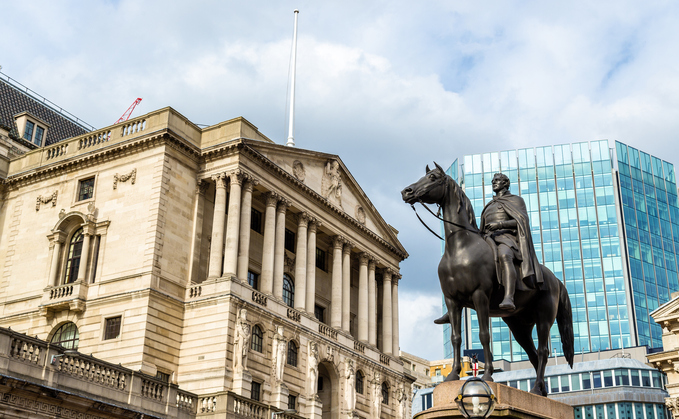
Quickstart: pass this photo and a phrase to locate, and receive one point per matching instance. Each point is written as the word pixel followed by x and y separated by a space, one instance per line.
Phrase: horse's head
pixel 430 189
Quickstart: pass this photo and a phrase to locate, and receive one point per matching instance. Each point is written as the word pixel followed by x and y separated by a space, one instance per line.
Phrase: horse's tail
pixel 564 318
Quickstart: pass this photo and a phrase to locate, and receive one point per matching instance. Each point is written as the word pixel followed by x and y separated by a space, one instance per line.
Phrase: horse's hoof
pixel 536 391
pixel 488 378
pixel 452 377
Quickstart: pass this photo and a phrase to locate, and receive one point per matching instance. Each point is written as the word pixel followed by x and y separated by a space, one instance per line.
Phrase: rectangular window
pixel 163 377
pixel 255 390
pixel 575 381
pixel 319 313
pixel 85 189
pixel 292 402
pixel 586 381
pixel 39 133
pixel 256 221
pixel 596 379
pixel 112 328
pixel 608 378
pixel 319 387
pixel 565 383
pixel 289 241
pixel 635 378
pixel 253 280
pixel 28 131
pixel 321 260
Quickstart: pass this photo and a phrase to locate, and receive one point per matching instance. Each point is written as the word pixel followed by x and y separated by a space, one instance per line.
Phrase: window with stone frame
pixel 28 131
pixel 255 391
pixel 257 340
pixel 319 313
pixel 164 377
pixel 288 291
pixel 256 220
pixel 112 327
pixel 292 353
pixel 85 189
pixel 321 259
pixel 75 248
pixel 67 336
pixel 292 402
pixel 359 382
pixel 290 240
pixel 253 280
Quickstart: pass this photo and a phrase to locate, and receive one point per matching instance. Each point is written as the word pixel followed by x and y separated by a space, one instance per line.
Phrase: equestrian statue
pixel 494 270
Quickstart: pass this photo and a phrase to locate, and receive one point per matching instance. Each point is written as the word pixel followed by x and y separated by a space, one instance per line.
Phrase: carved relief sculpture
pixel 377 395
pixel 47 199
pixel 279 350
pixel 402 402
pixel 241 344
pixel 349 384
pixel 360 214
pixel 331 184
pixel 312 368
pixel 132 177
pixel 298 170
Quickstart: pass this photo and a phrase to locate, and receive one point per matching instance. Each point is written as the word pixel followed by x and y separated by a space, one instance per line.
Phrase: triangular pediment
pixel 327 175
pixel 669 310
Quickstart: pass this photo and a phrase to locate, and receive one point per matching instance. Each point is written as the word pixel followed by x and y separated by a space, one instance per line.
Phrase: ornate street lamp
pixel 476 399
pixel 274 414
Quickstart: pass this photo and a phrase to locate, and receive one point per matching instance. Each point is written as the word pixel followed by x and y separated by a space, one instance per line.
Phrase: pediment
pixel 327 175
pixel 667 311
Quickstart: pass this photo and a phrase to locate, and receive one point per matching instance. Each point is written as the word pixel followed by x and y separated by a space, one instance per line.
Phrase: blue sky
pixel 390 86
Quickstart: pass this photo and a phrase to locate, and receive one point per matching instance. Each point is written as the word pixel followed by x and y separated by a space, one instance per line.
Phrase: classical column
pixel 394 314
pixel 233 224
pixel 300 262
pixel 372 304
pixel 387 339
pixel 346 287
pixel 336 287
pixel 279 252
pixel 363 297
pixel 311 267
pixel 56 253
pixel 268 246
pixel 215 265
pixel 84 255
pixel 244 239
pixel 198 213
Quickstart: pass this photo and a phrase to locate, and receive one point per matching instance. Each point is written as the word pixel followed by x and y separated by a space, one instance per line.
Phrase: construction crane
pixel 129 110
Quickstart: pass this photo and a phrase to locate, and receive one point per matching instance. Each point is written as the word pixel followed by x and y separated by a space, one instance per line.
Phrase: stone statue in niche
pixel 279 350
pixel 349 384
pixel 377 395
pixel 331 184
pixel 241 344
pixel 402 402
pixel 298 170
pixel 312 368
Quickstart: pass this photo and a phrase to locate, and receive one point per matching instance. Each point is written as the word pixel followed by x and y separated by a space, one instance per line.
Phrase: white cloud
pixel 417 332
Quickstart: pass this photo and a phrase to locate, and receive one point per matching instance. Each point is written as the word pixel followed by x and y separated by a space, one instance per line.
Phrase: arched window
pixel 67 336
pixel 359 382
pixel 256 344
pixel 75 248
pixel 288 291
pixel 385 393
pixel 292 353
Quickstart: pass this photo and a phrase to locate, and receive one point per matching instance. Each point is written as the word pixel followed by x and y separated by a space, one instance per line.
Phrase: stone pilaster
pixel 336 286
pixel 300 262
pixel 363 297
pixel 394 315
pixel 244 239
pixel 58 241
pixel 311 266
pixel 233 224
pixel 387 338
pixel 269 240
pixel 279 249
pixel 217 243
pixel 372 304
pixel 346 287
pixel 198 213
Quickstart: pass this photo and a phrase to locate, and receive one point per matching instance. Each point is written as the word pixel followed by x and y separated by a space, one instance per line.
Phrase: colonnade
pixel 236 247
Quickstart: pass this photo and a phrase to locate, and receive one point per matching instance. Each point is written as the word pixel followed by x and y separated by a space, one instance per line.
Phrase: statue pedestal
pixel 509 403
pixel 279 396
pixel 242 383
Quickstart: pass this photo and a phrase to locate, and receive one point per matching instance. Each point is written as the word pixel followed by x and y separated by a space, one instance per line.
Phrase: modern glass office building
pixel 605 220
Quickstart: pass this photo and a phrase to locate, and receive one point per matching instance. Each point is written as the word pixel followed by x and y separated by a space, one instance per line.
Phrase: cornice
pixel 318 198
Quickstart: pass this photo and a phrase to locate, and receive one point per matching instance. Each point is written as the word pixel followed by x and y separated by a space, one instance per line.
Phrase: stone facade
pixel 157 238
pixel 667 361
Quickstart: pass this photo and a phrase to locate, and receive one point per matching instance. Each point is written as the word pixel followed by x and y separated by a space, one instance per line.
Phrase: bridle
pixel 442 180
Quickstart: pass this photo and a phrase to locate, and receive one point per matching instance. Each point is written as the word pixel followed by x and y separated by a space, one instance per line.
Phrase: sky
pixel 389 86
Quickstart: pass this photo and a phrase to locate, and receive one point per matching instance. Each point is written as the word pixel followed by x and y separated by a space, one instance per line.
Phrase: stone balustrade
pixel 94 139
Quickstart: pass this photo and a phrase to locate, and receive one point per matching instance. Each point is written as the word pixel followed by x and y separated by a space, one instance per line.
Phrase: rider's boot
pixel 442 320
pixel 509 281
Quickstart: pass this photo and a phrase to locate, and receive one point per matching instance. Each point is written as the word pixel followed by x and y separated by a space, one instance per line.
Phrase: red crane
pixel 129 110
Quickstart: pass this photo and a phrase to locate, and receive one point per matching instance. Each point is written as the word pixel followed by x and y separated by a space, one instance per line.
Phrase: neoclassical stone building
pixel 254 276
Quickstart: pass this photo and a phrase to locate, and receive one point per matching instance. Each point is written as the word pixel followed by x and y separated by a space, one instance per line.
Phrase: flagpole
pixel 291 123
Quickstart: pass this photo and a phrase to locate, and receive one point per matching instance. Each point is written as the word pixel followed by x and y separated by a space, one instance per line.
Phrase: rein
pixel 439 218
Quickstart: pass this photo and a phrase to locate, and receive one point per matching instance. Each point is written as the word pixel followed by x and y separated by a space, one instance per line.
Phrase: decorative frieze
pixel 259 298
pixel 294 315
pixel 132 177
pixel 46 200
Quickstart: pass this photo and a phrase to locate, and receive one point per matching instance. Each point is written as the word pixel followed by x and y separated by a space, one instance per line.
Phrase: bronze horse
pixel 468 278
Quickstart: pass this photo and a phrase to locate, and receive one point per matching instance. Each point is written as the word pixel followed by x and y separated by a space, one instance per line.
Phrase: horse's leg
pixel 481 304
pixel 543 325
pixel 455 319
pixel 522 330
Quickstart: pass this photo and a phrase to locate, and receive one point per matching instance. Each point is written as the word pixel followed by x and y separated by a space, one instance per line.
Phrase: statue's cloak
pixel 515 207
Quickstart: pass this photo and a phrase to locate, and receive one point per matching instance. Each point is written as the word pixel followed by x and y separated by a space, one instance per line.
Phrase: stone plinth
pixel 510 403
